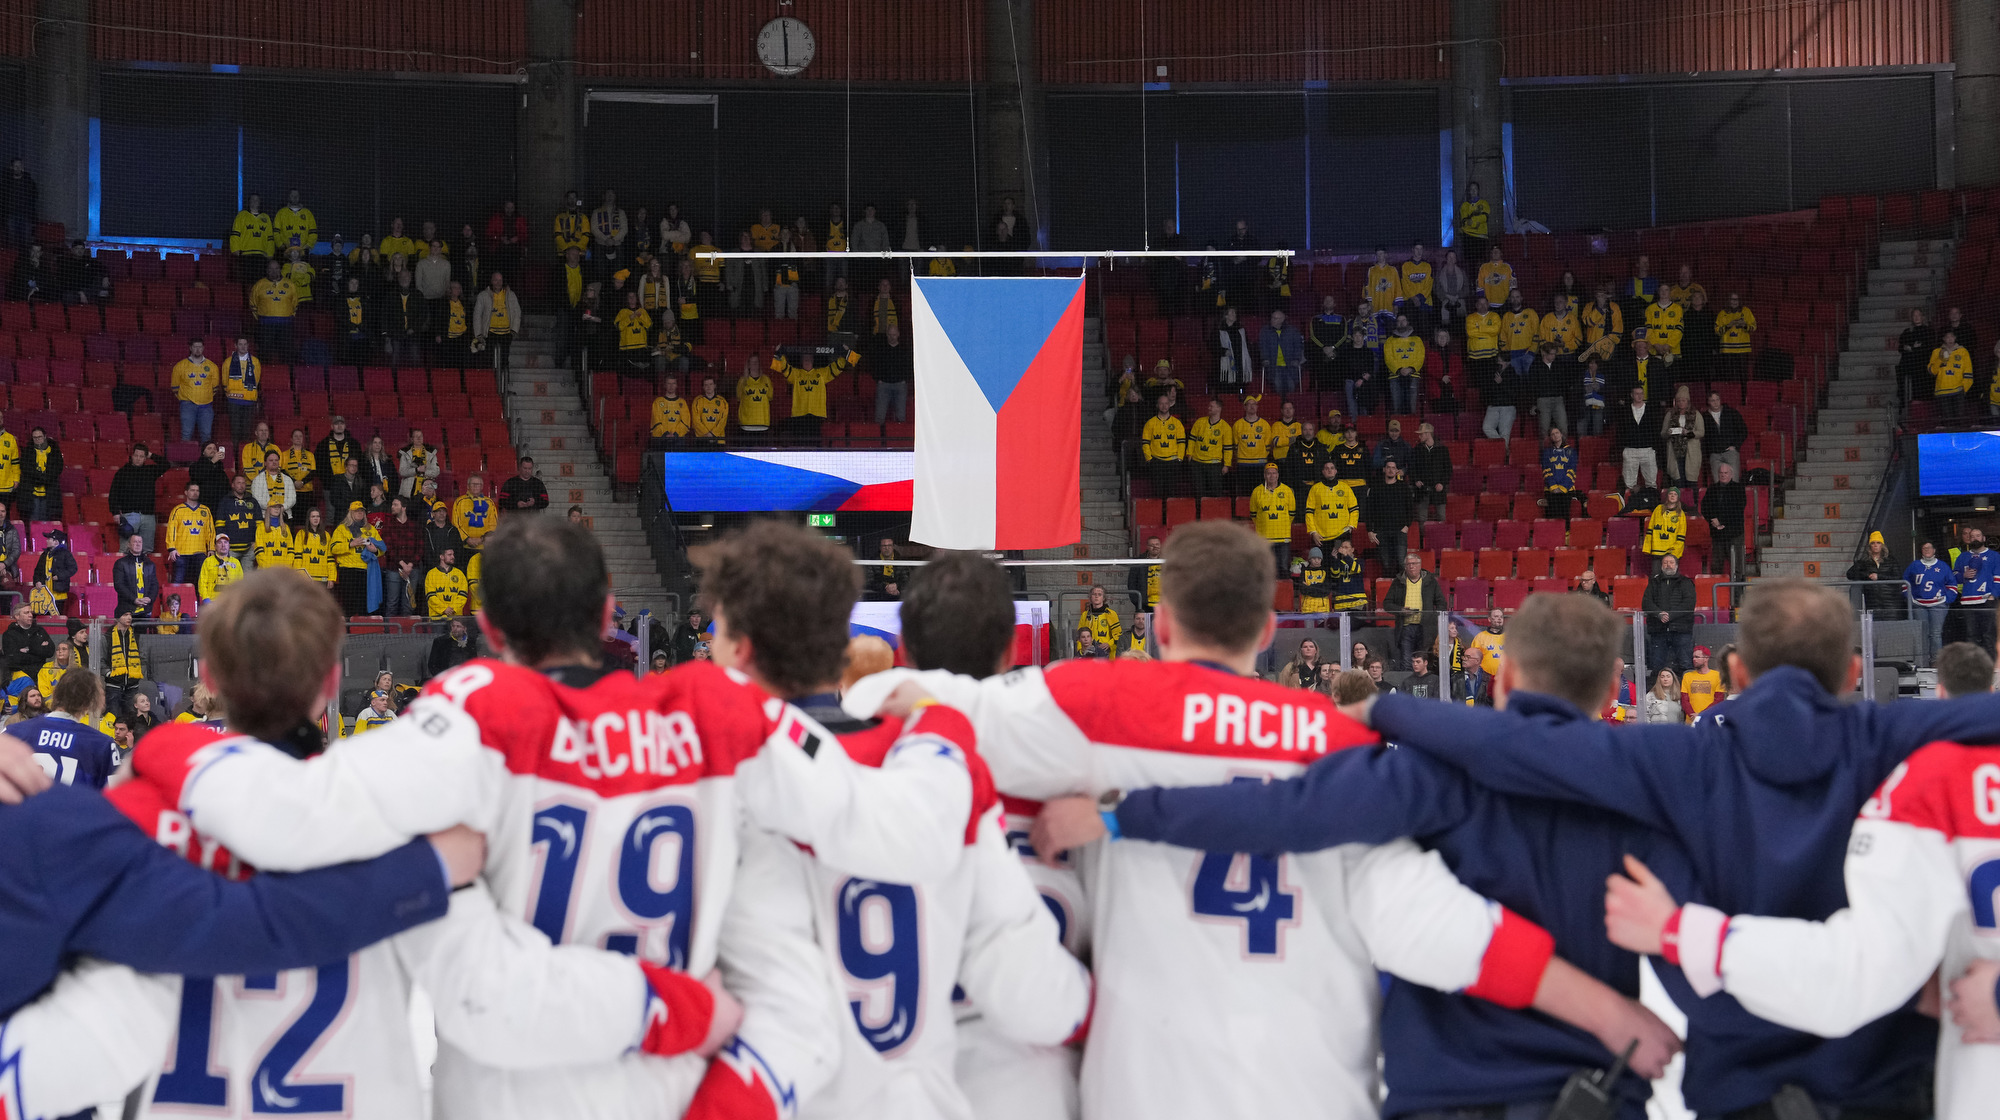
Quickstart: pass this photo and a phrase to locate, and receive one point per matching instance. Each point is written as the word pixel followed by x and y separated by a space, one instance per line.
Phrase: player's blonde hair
pixel 268 641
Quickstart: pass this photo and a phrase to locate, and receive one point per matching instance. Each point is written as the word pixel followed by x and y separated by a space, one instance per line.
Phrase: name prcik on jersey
pixel 1257 723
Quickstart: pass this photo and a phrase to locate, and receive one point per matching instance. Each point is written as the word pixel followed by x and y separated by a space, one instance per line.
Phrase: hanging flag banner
pixel 999 402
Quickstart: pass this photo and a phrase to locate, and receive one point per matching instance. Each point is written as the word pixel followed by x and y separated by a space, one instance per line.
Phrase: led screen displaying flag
pixel 999 403
pixel 768 481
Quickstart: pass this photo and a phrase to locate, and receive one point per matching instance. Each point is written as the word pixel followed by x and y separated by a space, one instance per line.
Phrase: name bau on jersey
pixel 1256 723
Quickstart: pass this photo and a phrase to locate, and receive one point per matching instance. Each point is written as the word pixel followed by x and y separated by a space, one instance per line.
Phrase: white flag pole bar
pixel 1016 254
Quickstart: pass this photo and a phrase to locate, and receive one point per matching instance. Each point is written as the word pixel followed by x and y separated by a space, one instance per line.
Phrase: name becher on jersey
pixel 610 743
pixel 1257 723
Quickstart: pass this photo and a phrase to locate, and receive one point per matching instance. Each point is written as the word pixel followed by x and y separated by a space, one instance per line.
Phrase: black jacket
pixel 1429 595
pixel 1675 595
pixel 383 472
pixel 516 490
pixel 125 577
pixel 1627 433
pixel 1550 379
pixel 343 493
pixel 398 316
pixel 324 453
pixel 1883 593
pixel 1430 466
pixel 134 489
pixel 1724 502
pixel 1388 507
pixel 437 538
pixel 213 478
pixel 1915 345
pixel 447 655
pixel 25 651
pixel 49 479
pixel 1724 434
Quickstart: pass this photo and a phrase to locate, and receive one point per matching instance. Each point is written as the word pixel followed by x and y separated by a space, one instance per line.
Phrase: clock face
pixel 785 45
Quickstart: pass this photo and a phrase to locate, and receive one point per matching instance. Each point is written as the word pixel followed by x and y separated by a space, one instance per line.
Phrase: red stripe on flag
pixel 1038 443
pixel 896 496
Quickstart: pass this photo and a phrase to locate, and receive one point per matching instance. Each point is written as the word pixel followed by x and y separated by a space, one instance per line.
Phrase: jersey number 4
pixel 193 1082
pixel 654 881
pixel 1240 887
pixel 880 954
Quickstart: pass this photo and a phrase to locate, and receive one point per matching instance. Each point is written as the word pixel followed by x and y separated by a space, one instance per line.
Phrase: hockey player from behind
pixel 959 617
pixel 1920 877
pixel 1273 1003
pixel 1542 858
pixel 1761 794
pixel 65 742
pixel 335 1039
pixel 781 598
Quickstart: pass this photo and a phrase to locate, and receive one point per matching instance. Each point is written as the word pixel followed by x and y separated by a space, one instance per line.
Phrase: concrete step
pixel 1854 429
pixel 1816 564
pixel 1896 306
pixel 1905 287
pixel 1833 451
pixel 1834 542
pixel 1872 396
pixel 1825 482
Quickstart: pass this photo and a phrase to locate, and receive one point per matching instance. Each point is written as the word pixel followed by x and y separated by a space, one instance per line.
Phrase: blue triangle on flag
pixel 998 324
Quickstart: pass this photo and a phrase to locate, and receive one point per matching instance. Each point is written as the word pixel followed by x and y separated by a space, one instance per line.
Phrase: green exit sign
pixel 820 520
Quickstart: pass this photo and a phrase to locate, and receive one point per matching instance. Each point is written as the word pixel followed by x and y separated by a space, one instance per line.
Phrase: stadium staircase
pixel 1104 531
pixel 1826 507
pixel 547 412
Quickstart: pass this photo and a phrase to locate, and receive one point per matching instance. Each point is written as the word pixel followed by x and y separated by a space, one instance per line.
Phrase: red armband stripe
pixel 678 1014
pixel 1082 1030
pixel 1515 959
pixel 735 1088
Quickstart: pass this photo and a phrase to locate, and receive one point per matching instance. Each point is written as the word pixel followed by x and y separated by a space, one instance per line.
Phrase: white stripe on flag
pixel 957 441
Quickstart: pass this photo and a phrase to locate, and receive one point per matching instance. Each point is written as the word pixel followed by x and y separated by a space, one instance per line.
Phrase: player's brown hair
pixel 866 656
pixel 1216 577
pixel 958 614
pixel 1796 622
pixel 790 591
pixel 542 584
pixel 1353 686
pixel 268 641
pixel 77 692
pixel 1566 646
pixel 1963 669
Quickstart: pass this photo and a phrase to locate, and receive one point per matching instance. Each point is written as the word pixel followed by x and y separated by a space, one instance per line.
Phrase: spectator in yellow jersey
pixel 302 462
pixel 572 226
pixel 1482 332
pixel 275 302
pixel 312 549
pixel 836 242
pixel 1474 223
pixel 942 266
pixel 1211 451
pixel 190 534
pixel 251 241
pixel 1101 619
pixel 242 385
pixel 608 230
pixel 397 243
pixel 1271 507
pixel 496 317
pixel 355 543
pixel 1560 326
pixel 1285 431
pixel 1403 356
pixel 672 418
pixel 272 489
pixel 1685 290
pixel 1331 508
pixel 376 714
pixel 1144 580
pixel 195 380
pixel 1603 325
pixel 10 463
pixel 1496 278
pixel 707 272
pixel 445 589
pixel 809 390
pixel 1701 686
pixel 711 415
pixel 218 570
pixel 635 333
pixel 1951 375
pixel 1252 438
pixel 1384 284
pixel 1484 653
pixel 274 541
pixel 754 392
pixel 1417 278
pixel 474 515
pixel 1666 529
pixel 1735 325
pixel 300 272
pixel 884 315
pixel 1165 444
pixel 1664 323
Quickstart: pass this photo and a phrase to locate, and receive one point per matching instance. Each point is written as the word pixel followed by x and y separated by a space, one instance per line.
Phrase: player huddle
pixel 731 891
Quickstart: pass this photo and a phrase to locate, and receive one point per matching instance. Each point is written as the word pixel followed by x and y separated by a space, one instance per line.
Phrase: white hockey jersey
pixel 1923 876
pixel 900 949
pixel 92 1038
pixel 1229 984
pixel 1005 1078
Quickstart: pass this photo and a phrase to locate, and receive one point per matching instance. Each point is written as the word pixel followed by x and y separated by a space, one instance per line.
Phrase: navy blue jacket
pixel 81 754
pixel 76 877
pixel 1761 792
pixel 1545 860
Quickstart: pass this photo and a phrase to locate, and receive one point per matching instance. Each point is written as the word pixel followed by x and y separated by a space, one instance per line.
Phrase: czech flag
pixel 999 402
